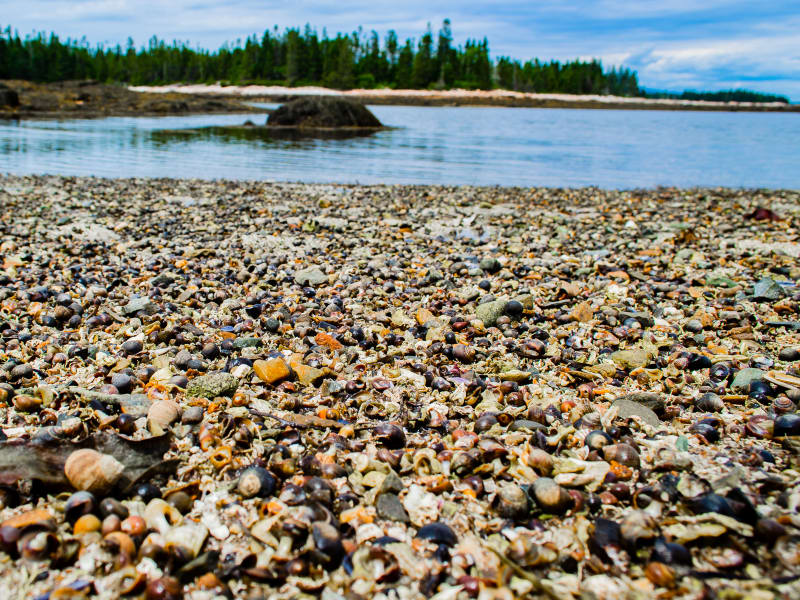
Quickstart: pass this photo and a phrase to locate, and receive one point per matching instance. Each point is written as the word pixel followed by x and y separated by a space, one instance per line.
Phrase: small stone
pixel 693 326
pixel 789 354
pixel 490 265
pixel 192 415
pixel 246 342
pixel 768 290
pixel 582 312
pixel 212 385
pixel 311 276
pixel 489 312
pixel 132 347
pixel 305 374
pixel 272 370
pixel 136 305
pixel 745 377
pixel 629 408
pixel 392 484
pixel 654 402
pixel 328 341
pixel 390 508
pixel 631 359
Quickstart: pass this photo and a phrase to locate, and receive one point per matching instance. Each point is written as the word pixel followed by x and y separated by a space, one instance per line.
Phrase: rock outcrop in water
pixel 8 97
pixel 323 112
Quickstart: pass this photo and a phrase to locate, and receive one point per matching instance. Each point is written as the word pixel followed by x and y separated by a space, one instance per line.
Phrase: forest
pixel 300 56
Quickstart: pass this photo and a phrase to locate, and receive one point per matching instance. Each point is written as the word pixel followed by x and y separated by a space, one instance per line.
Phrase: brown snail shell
pixel 161 415
pixel 90 470
pixel 120 543
pixel 27 403
pixel 624 454
pixel 550 496
pixel 510 501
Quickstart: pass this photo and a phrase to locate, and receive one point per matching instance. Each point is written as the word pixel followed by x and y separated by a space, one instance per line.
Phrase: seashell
pixel 38 545
pixel 256 481
pixel 438 533
pixel 161 415
pixel 186 540
pixel 485 422
pixel 597 439
pixel 491 449
pixel 550 496
pixel 660 575
pixel 89 470
pixel 464 463
pixel 759 426
pixel 161 516
pixel 389 435
pixel 708 429
pixel 131 581
pixel 782 405
pixel 38 517
pixel 624 454
pixel 328 543
pixel 111 506
pixel 425 462
pixel 510 501
pixel 788 424
pixel 710 402
pixel 638 526
pixel 25 403
pixel 670 553
pixel 164 588
pixel 86 524
pixel 134 526
pixel 787 550
pixel 540 461
pixel 319 490
pixel 120 543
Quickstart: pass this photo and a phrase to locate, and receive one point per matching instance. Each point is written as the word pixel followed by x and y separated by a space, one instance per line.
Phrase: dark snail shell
pixel 256 482
pixel 597 439
pixel 390 435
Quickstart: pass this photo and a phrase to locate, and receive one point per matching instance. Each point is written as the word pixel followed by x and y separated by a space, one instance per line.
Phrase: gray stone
pixel 212 385
pixel 490 265
pixel 720 281
pixel 768 290
pixel 629 408
pixel 246 342
pixel 310 276
pixel 192 415
pixel 489 312
pixel 389 507
pixel 693 325
pixel 745 377
pixel 643 318
pixel 654 402
pixel 136 305
pixel 392 484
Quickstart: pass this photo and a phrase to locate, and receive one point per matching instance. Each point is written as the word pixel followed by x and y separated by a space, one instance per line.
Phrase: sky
pixel 672 44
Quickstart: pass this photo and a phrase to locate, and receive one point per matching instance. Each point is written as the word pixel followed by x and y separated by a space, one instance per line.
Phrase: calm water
pixel 487 146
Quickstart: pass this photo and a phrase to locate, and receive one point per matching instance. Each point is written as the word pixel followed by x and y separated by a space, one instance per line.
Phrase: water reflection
pixel 466 145
pixel 259 134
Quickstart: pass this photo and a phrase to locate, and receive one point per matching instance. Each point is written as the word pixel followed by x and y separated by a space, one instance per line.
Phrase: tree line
pixel 298 56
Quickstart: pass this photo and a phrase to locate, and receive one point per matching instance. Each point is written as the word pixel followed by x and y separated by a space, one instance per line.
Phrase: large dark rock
pixel 8 97
pixel 323 112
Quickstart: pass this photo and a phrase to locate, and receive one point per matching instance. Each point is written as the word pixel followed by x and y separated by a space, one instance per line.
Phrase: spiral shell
pixel 93 471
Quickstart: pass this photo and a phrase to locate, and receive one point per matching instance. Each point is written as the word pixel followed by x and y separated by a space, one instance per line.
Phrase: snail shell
pixel 624 454
pixel 90 470
pixel 188 538
pixel 540 461
pixel 161 516
pixel 161 415
pixel 710 402
pixel 550 496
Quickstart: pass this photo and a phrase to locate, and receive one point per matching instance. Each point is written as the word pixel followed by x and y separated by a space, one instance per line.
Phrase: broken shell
pixel 638 526
pixel 186 540
pixel 540 461
pixel 597 439
pixel 92 471
pixel 159 515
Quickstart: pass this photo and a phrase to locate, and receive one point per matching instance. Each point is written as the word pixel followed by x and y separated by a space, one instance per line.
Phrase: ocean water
pixel 430 145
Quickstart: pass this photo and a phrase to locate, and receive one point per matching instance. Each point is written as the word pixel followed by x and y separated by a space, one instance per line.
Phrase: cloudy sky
pixel 673 44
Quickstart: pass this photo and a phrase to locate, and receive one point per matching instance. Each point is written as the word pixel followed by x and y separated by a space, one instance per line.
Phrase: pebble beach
pixel 248 389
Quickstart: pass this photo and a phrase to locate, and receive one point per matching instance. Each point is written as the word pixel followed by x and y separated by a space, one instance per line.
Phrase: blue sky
pixel 673 44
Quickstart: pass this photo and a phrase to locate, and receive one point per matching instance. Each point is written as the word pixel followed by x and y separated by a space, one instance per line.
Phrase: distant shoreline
pixel 500 98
